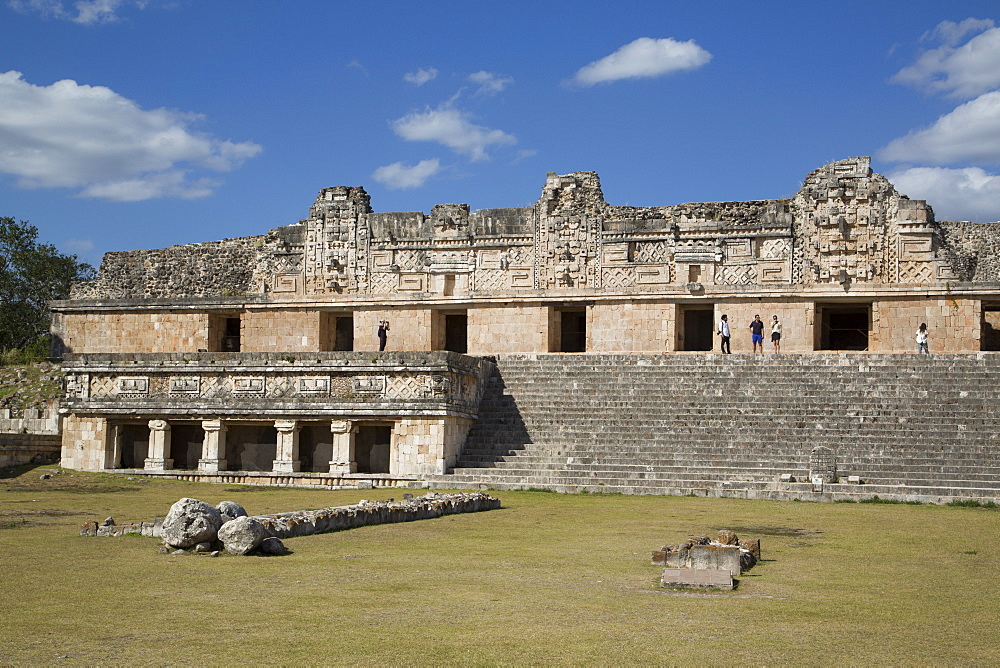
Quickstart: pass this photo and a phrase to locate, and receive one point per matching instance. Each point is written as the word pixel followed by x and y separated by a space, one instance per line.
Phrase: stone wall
pixel 952 325
pixel 629 327
pixel 119 331
pixel 973 249
pixel 505 329
pixel 428 446
pixel 289 330
pixel 83 443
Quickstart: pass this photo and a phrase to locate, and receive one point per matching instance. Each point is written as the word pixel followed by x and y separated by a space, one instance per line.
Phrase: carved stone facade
pixel 848 263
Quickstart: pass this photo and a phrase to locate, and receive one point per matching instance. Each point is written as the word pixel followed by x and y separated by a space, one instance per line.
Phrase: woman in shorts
pixel 776 334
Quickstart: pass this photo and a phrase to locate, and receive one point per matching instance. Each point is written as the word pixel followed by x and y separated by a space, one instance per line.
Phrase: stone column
pixel 112 446
pixel 158 458
pixel 288 446
pixel 213 448
pixel 343 447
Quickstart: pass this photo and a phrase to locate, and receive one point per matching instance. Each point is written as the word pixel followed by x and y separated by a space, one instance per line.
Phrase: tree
pixel 31 275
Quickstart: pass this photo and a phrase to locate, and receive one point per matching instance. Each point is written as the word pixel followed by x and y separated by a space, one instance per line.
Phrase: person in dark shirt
pixel 383 334
pixel 757 334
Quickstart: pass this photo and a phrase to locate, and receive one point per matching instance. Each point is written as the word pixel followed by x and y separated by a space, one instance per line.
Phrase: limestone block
pixel 242 535
pixel 190 522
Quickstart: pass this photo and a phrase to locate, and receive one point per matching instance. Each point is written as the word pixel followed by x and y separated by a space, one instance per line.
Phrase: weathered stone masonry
pixel 848 263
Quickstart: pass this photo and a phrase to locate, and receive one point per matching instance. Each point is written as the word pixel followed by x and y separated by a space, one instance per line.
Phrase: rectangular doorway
pixel 572 330
pixel 336 331
pixel 315 447
pixel 697 328
pixel 456 332
pixel 185 445
pixel 251 447
pixel 133 443
pixel 224 333
pixel 372 445
pixel 844 327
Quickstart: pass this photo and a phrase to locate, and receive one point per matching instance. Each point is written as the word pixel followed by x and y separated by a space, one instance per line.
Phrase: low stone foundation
pixel 18 449
pixel 367 513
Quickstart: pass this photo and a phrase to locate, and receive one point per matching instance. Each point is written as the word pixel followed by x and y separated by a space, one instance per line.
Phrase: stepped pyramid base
pixel 919 429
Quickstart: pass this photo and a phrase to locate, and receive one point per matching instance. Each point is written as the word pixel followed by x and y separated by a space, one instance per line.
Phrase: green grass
pixel 549 579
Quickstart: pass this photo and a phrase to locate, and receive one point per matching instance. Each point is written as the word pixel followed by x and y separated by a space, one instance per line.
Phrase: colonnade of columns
pixel 286 453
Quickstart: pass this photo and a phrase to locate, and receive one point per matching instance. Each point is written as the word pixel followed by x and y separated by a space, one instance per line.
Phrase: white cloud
pixel 78 246
pixel 91 139
pixel 951 33
pixel 421 76
pixel 644 58
pixel 452 128
pixel 956 194
pixel 489 83
pixel 957 71
pixel 83 11
pixel 970 134
pixel 398 176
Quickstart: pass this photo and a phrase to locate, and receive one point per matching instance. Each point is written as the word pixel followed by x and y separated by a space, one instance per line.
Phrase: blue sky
pixel 129 124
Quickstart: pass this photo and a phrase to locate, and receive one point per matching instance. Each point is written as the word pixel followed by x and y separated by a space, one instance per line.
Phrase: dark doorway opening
pixel 185 445
pixel 251 447
pixel 573 331
pixel 315 448
pixel 345 333
pixel 133 439
pixel 456 332
pixel 698 328
pixel 224 333
pixel 990 336
pixel 371 448
pixel 845 327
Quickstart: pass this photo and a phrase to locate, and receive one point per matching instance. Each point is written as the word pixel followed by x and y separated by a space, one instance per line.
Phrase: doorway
pixel 371 448
pixel 456 332
pixel 697 329
pixel 573 330
pixel 133 439
pixel 844 327
pixel 251 447
pixel 185 445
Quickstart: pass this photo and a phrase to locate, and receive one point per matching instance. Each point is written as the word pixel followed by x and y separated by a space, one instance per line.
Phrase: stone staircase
pixel 911 427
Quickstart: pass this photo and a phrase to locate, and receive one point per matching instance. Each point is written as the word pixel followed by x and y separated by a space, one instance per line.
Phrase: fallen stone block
pixel 696 578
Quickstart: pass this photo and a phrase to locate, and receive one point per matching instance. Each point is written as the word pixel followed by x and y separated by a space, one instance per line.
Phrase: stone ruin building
pixel 256 357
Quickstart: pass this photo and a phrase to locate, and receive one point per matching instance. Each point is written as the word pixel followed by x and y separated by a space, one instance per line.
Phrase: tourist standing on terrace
pixel 383 334
pixel 776 335
pixel 724 333
pixel 922 339
pixel 757 333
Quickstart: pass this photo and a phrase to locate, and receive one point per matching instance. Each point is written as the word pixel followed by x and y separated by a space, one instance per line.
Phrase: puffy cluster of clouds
pixel 644 58
pixel 944 161
pixel 102 145
pixel 81 11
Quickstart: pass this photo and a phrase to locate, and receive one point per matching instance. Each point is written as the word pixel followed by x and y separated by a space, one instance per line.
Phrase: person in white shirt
pixel 776 334
pixel 922 339
pixel 724 332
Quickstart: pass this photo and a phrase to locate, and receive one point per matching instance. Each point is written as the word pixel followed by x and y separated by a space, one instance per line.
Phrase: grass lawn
pixel 549 579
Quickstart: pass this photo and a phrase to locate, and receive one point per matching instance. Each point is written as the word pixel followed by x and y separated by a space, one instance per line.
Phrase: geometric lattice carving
pixel 383 282
pixel 411 260
pixel 916 272
pixel 650 252
pixel 407 386
pixel 738 275
pixel 489 280
pixel 618 277
pixel 775 249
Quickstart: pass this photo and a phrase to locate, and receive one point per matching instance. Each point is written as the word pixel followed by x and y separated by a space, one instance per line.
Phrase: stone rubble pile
pixel 702 562
pixel 195 525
